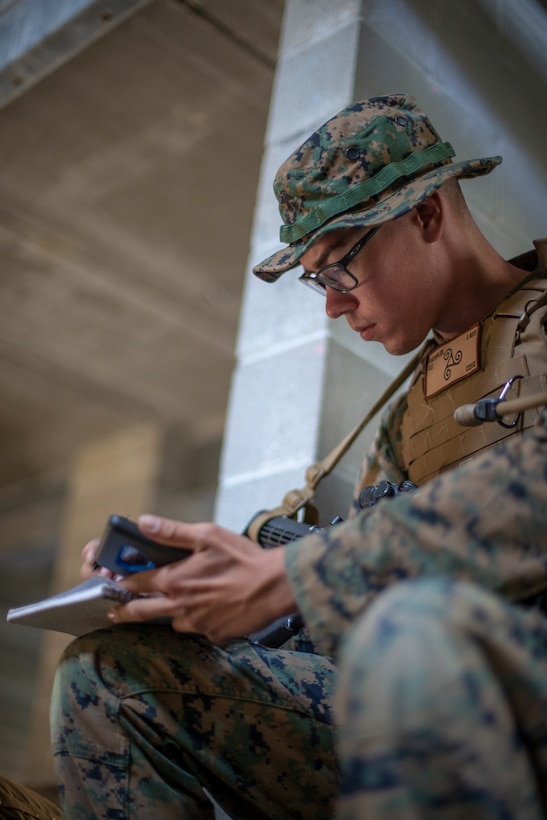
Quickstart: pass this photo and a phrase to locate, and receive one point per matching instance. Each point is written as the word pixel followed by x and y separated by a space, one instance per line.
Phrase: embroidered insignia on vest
pixel 451 362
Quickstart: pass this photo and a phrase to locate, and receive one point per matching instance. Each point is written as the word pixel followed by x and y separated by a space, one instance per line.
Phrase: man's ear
pixel 430 215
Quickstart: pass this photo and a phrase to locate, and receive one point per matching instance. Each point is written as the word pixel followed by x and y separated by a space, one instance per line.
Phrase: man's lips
pixel 366 333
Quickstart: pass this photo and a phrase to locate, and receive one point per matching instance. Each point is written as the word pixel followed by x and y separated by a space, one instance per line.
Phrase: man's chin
pixel 399 347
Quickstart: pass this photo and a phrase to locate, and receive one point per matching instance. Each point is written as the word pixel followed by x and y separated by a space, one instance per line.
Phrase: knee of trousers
pixel 414 635
pixel 94 673
pixel 119 690
pixel 106 659
pixel 100 671
pixel 452 606
pixel 128 659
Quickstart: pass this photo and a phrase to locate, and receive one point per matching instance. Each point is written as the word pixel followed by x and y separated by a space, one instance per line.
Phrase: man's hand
pixel 229 587
pixel 89 567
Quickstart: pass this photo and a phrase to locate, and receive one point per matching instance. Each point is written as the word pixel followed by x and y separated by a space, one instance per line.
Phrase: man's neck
pixel 476 295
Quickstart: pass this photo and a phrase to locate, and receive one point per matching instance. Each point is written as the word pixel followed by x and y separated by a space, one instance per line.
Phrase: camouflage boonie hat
pixel 374 161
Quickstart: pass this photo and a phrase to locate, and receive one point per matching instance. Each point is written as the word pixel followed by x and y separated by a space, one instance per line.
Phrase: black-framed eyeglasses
pixel 336 275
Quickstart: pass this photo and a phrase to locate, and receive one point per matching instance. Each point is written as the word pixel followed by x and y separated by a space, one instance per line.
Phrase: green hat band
pixel 365 190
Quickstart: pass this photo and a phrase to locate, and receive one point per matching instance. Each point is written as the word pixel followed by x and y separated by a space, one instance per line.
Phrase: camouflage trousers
pixel 442 707
pixel 144 719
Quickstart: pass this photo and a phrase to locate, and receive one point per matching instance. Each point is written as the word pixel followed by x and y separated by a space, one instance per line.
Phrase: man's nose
pixel 338 303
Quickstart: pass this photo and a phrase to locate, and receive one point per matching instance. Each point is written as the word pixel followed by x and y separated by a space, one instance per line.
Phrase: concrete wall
pixel 479 68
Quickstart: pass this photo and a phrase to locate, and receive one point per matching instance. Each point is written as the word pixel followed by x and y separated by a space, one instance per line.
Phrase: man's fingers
pixel 144 581
pixel 90 551
pixel 153 608
pixel 88 558
pixel 141 609
pixel 178 533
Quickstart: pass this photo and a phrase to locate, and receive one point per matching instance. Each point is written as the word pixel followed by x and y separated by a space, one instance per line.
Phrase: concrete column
pixel 478 68
pixel 301 382
pixel 115 475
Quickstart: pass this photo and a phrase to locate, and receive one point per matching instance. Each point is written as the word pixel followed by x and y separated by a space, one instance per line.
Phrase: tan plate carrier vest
pixel 511 343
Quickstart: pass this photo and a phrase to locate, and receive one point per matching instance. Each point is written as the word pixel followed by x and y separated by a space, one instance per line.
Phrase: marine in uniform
pixel 419 686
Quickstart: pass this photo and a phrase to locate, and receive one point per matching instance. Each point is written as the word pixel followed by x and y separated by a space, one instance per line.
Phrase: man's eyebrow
pixel 320 261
